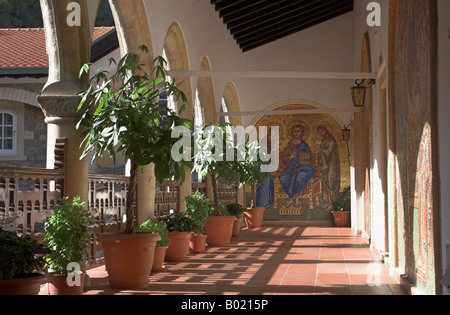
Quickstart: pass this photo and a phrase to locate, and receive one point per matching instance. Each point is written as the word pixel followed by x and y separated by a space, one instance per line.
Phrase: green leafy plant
pixel 249 171
pixel 180 222
pixel 66 234
pixel 343 203
pixel 154 226
pixel 199 207
pixel 19 256
pixel 235 209
pixel 245 167
pixel 125 113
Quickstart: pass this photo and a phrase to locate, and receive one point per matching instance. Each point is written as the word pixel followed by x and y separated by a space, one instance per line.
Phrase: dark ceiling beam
pixel 227 4
pixel 242 13
pixel 254 23
pixel 286 17
pixel 240 6
pixel 278 34
pixel 269 12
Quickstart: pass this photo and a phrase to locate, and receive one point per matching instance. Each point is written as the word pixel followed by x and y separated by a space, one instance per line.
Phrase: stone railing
pixel 107 202
pixel 27 197
pixel 227 194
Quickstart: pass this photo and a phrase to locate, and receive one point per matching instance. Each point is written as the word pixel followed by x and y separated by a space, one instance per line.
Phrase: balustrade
pixel 27 197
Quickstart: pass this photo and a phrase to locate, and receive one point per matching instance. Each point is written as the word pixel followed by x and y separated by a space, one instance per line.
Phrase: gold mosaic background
pixel 310 204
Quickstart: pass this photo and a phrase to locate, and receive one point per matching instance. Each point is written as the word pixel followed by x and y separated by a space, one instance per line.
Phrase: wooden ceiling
pixel 254 23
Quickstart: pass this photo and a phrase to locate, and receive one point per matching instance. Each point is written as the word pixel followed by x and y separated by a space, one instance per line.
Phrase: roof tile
pixel 26 48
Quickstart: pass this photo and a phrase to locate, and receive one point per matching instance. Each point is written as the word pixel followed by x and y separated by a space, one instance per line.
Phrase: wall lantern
pixel 346 132
pixel 359 93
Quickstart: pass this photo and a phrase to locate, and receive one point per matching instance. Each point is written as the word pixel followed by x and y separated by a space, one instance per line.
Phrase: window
pixel 8 131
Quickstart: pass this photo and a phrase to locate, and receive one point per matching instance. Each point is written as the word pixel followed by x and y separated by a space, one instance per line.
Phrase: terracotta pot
pixel 29 285
pixel 198 243
pixel 219 230
pixel 158 260
pixel 237 227
pixel 129 258
pixel 341 218
pixel 179 249
pixel 57 285
pixel 254 217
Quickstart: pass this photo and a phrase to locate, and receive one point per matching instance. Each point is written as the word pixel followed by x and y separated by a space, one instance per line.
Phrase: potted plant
pixel 198 207
pixel 342 208
pixel 236 210
pixel 180 227
pixel 66 234
pixel 21 263
pixel 249 172
pixel 219 226
pixel 123 113
pixel 160 227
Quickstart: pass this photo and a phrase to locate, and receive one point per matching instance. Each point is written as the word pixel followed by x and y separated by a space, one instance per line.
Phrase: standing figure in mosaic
pixel 296 159
pixel 329 166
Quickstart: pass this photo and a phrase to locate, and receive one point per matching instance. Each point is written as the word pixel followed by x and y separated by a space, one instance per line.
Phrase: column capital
pixel 60 109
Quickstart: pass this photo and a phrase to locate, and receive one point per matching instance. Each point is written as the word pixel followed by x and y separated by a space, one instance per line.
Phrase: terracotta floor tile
pixel 281 260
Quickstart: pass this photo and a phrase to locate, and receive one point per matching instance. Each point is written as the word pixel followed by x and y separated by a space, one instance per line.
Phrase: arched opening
pixel 304 194
pixel 230 103
pixel 175 53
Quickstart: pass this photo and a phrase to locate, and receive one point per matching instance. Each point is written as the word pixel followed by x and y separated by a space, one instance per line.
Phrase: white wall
pixel 444 126
pixel 326 47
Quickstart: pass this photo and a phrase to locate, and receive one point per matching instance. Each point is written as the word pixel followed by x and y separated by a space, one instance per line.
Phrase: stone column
pixel 133 31
pixel 60 113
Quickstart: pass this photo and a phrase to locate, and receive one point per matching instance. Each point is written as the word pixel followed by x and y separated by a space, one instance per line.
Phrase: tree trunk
pixel 131 199
pixel 216 197
pixel 253 205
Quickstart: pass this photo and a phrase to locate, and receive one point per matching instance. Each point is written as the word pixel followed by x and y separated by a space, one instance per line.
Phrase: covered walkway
pixel 273 260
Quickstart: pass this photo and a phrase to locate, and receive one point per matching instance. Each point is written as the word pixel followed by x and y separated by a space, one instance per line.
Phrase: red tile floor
pixel 272 260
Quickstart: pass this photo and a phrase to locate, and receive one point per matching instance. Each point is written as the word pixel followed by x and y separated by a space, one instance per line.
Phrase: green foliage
pixel 27 13
pixel 235 209
pixel 245 166
pixel 198 207
pixel 66 234
pixel 180 222
pixel 223 210
pixel 155 226
pixel 20 13
pixel 124 113
pixel 19 256
pixel 104 17
pixel 343 203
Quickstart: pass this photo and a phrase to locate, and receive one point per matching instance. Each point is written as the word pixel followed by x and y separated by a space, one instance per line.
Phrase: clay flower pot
pixel 158 260
pixel 219 230
pixel 179 249
pixel 57 285
pixel 237 226
pixel 129 258
pixel 198 243
pixel 254 217
pixel 29 285
pixel 341 218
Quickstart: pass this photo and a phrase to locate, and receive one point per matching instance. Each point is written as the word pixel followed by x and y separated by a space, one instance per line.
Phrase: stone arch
pixel 177 57
pixel 206 96
pixel 231 99
pixel 68 48
pixel 132 27
pixel 20 96
pixel 311 104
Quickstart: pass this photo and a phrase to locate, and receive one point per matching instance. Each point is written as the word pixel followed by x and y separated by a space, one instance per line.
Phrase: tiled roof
pixel 25 47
